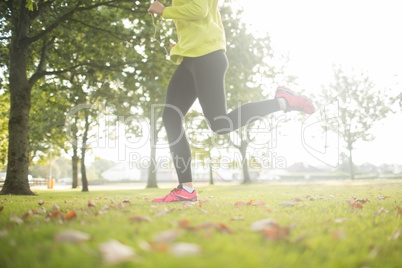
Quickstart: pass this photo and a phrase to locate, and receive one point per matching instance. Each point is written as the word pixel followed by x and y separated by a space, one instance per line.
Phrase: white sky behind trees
pixel 355 34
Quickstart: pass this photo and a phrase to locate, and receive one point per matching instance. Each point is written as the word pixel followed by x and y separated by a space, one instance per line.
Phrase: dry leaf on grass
pixel 113 252
pixel 396 235
pixel 249 203
pixel 140 219
pixel 167 236
pixel 271 230
pixel 237 218
pixel 70 215
pixel 259 203
pixel 16 219
pixel 72 236
pixel 3 233
pixel 296 199
pixel 185 224
pixel 277 232
pixel 383 197
pixel 338 234
pixel 356 203
pixel 184 249
pixel 341 220
pixel 287 204
pixel 258 226
pixel 91 203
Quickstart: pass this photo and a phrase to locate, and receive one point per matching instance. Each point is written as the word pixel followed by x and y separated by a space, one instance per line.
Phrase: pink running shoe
pixel 176 195
pixel 294 102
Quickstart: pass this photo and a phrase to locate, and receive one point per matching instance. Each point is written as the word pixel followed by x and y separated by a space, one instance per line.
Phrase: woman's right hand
pixel 156 8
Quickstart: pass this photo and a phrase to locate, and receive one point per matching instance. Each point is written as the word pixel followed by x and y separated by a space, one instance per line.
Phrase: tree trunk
pixel 75 158
pixel 246 173
pixel 152 182
pixel 84 178
pixel 20 99
pixel 351 166
pixel 211 175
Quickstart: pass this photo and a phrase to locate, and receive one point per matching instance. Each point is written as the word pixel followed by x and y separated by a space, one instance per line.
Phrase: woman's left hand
pixel 156 8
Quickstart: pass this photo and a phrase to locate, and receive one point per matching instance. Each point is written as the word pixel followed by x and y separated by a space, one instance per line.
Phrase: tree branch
pixel 102 30
pixel 68 15
pixel 42 61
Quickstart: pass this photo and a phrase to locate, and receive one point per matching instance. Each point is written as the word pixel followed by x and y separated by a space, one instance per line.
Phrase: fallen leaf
pixel 184 249
pixel 163 212
pixel 338 234
pixel 237 218
pixel 342 220
pixel 363 201
pixel 357 205
pixel 396 234
pixel 383 197
pixel 91 203
pixel 259 203
pixel 41 202
pixel 70 215
pixel 399 212
pixel 113 252
pixel 240 203
pixel 55 214
pixel 16 219
pixel 168 236
pixel 258 226
pixel 296 199
pixel 185 224
pixel 153 246
pixel 26 215
pixel 276 233
pixel 1 208
pixel 3 233
pixel 55 207
pixel 223 228
pixel 42 210
pixel 126 201
pixel 140 219
pixel 250 202
pixel 287 204
pixel 381 210
pixel 72 236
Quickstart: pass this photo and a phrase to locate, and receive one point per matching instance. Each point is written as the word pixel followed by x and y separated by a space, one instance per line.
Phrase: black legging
pixel 203 78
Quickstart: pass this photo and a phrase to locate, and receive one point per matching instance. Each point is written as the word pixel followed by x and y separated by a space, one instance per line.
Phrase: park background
pixel 309 46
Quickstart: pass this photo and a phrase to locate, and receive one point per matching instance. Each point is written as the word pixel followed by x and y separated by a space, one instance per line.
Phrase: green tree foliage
pixel 147 85
pixel 48 38
pixel 360 105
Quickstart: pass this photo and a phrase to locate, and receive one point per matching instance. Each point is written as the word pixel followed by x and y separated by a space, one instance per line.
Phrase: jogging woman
pixel 202 64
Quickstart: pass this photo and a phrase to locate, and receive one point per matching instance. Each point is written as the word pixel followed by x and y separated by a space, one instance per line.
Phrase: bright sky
pixel 357 34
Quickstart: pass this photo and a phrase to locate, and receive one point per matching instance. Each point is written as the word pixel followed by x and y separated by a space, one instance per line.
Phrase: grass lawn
pixel 327 224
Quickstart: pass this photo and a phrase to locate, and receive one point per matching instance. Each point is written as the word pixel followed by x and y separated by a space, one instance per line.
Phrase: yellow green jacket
pixel 199 28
